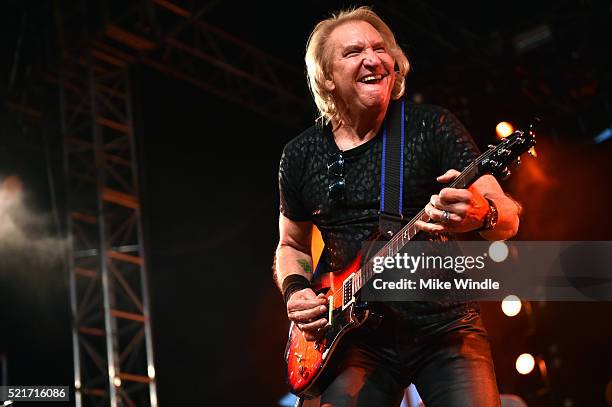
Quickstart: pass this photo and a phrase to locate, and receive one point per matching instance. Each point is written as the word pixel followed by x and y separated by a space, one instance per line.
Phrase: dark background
pixel 210 200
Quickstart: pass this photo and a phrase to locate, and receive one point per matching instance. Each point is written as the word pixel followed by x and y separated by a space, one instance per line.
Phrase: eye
pixel 381 49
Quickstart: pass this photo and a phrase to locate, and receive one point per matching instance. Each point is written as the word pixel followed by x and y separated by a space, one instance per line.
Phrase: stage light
pixel 117 381
pixel 77 384
pixel 498 251
pixel 151 371
pixel 511 305
pixel 504 129
pixel 525 363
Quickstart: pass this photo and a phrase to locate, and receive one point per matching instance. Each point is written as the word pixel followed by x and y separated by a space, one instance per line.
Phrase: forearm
pixel 291 260
pixel 508 217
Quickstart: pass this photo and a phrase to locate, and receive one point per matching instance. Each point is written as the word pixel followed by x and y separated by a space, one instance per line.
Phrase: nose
pixel 371 58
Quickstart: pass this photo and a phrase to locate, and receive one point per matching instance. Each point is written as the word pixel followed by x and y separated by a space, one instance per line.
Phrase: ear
pixel 330 85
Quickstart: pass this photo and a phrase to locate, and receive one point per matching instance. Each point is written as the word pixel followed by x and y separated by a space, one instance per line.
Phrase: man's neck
pixel 353 130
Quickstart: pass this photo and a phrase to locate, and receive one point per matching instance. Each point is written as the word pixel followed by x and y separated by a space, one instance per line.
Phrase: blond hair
pixel 317 63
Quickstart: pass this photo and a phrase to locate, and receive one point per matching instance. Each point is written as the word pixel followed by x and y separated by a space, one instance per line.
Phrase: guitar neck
pixel 400 239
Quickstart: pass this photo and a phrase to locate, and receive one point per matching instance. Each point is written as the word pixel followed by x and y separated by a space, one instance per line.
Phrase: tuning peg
pixel 518 161
pixel 532 152
pixel 490 146
pixel 534 123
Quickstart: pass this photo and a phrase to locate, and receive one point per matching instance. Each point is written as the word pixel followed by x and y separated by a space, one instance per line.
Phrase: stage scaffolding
pixel 112 337
pixel 113 350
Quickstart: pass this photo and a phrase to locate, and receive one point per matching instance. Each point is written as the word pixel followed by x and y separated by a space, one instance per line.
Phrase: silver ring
pixel 445 216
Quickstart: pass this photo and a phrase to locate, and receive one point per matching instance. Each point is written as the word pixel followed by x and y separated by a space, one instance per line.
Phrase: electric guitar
pixel 307 360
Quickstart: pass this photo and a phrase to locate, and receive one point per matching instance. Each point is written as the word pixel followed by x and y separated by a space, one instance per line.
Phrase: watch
pixel 490 219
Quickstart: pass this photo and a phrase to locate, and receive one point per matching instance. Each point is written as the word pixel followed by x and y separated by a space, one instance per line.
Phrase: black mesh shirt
pixel 435 141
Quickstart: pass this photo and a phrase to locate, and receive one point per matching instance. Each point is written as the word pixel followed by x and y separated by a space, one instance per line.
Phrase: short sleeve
pixel 456 147
pixel 289 180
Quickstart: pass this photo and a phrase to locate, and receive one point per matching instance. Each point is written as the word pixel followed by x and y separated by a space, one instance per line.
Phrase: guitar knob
pixel 518 161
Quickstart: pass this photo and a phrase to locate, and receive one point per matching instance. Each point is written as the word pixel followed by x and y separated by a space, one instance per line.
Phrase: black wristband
pixel 293 283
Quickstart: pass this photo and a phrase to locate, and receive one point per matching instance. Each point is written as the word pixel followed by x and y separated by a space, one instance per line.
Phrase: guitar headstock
pixel 497 159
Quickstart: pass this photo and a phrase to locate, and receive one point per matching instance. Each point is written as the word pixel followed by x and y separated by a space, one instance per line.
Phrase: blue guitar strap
pixel 392 171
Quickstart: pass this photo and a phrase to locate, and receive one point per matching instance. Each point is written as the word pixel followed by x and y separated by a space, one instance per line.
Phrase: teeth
pixel 370 78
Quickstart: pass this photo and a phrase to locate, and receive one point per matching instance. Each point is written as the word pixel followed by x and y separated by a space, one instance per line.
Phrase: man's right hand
pixel 308 310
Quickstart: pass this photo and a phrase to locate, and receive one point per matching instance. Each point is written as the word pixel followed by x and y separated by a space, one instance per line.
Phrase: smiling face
pixel 361 74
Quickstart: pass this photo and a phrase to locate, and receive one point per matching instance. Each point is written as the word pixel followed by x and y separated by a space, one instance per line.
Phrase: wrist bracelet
pixel 293 283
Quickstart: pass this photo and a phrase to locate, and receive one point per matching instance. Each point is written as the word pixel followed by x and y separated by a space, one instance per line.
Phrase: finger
pixel 437 215
pixel 435 200
pixel 307 315
pixel 433 228
pixel 311 326
pixel 315 335
pixel 299 304
pixel 459 209
pixel 453 195
pixel 437 203
pixel 448 176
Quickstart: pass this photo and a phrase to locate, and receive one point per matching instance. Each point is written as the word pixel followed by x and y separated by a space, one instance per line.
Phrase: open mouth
pixel 372 79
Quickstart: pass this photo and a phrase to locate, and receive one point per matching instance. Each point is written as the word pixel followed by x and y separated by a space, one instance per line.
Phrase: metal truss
pixel 173 38
pixel 112 343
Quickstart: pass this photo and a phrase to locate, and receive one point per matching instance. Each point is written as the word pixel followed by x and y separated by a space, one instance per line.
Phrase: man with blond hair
pixel 330 175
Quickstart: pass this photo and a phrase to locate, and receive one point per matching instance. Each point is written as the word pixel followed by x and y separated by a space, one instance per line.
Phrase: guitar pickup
pixel 347 291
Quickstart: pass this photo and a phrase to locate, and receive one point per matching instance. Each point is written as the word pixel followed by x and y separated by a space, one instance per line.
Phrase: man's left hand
pixel 466 208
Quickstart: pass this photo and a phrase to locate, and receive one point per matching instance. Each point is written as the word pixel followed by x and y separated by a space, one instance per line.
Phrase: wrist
pixel 491 217
pixel 293 283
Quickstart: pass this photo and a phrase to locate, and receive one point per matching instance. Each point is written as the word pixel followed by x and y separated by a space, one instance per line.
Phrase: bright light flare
pixel 511 305
pixel 525 363
pixel 504 129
